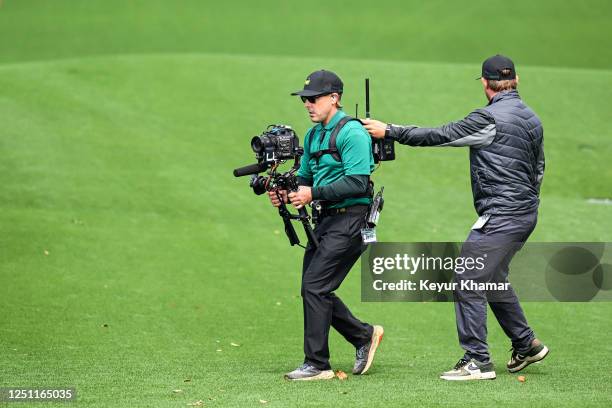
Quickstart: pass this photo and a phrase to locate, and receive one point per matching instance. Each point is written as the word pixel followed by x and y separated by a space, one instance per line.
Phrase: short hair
pixel 502 85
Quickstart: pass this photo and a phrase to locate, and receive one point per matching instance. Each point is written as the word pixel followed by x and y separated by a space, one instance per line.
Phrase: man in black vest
pixel 507 167
pixel 334 170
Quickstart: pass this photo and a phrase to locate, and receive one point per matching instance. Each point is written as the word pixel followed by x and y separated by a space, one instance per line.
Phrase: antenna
pixel 367 90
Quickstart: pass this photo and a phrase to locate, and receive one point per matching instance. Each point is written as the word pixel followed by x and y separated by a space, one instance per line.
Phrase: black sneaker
pixel 470 370
pixel 536 353
pixel 306 372
pixel 365 354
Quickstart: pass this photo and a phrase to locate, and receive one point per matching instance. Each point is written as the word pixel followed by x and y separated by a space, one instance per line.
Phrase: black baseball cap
pixel 320 83
pixel 492 68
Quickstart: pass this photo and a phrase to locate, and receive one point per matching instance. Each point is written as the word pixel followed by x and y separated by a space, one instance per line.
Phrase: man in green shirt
pixel 340 178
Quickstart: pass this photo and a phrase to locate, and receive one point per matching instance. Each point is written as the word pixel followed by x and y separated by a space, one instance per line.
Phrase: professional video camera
pixel 276 145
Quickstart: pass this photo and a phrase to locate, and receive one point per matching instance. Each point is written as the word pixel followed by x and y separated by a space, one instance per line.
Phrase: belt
pixel 354 209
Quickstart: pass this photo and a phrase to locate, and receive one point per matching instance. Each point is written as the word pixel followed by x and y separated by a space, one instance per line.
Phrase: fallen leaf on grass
pixel 263 401
pixel 197 403
pixel 218 350
pixel 46 253
pixel 177 391
pixel 521 378
pixel 341 375
pixel 235 344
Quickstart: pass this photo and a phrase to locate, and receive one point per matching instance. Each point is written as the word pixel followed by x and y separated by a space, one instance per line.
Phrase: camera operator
pixel 341 180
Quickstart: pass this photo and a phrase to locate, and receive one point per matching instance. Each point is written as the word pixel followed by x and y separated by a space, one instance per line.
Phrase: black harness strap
pixel 333 149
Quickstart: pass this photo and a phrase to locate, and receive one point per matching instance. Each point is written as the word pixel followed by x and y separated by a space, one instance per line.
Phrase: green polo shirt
pixel 355 147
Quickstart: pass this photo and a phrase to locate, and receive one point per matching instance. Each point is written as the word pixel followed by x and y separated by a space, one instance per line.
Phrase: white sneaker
pixel 536 353
pixel 306 372
pixel 470 370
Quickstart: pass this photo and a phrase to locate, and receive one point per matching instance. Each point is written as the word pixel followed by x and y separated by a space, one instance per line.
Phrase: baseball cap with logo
pixel 492 68
pixel 320 83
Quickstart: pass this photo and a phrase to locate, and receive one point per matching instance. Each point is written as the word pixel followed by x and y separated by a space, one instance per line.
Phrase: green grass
pixel 546 32
pixel 119 167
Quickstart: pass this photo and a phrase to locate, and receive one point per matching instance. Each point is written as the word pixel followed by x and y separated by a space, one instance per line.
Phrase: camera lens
pixel 258 184
pixel 257 144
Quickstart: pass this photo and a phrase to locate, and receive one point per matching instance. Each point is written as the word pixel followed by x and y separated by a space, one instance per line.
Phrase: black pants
pixel 500 239
pixel 323 271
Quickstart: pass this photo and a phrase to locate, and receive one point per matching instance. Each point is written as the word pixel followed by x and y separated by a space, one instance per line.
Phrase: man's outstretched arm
pixel 477 130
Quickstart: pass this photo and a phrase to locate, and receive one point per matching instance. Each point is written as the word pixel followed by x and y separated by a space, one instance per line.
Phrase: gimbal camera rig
pixel 276 145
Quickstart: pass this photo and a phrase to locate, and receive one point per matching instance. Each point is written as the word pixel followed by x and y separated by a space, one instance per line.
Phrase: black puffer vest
pixel 504 173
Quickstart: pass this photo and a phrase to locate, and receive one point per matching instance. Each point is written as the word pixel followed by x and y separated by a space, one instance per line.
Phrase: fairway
pixel 133 264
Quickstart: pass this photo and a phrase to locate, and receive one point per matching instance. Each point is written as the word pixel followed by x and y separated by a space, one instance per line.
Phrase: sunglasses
pixel 312 99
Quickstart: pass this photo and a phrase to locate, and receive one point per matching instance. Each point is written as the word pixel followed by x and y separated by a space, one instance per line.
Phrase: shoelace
pixel 362 351
pixel 462 362
pixel 515 355
pixel 304 366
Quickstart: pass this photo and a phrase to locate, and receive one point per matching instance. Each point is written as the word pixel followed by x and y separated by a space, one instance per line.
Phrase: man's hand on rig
pixel 274 197
pixel 301 197
pixel 375 128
